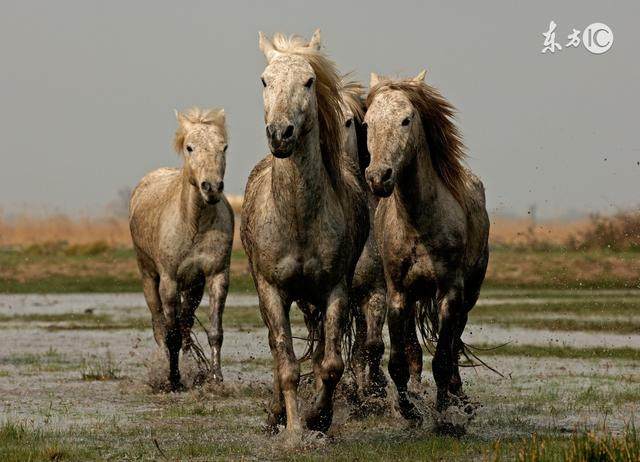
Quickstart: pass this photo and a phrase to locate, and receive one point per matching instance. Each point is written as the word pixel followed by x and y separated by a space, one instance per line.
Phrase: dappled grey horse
pixel 431 225
pixel 304 221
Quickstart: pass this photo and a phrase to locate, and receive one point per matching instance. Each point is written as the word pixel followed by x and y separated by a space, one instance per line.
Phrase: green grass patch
pixel 23 442
pixel 631 326
pixel 557 351
pixel 586 307
pixel 47 361
pixel 56 317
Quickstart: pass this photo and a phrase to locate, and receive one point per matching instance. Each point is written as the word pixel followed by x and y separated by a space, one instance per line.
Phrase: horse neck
pixel 416 191
pixel 192 205
pixel 300 180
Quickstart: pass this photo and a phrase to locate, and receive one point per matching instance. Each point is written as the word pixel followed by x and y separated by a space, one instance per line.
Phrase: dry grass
pixel 61 234
pixel 41 233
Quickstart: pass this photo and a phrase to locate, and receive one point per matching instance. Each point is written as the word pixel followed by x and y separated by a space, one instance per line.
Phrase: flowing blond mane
pixel 352 94
pixel 198 116
pixel 328 97
pixel 446 149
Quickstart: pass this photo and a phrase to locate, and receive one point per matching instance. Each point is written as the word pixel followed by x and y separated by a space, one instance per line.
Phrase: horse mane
pixel 195 115
pixel 328 97
pixel 446 149
pixel 352 93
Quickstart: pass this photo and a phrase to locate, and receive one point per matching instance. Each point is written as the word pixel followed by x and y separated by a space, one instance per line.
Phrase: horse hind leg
pixel 358 359
pixel 150 286
pixel 375 313
pixel 190 299
pixel 413 350
pixel 455 383
pixel 218 288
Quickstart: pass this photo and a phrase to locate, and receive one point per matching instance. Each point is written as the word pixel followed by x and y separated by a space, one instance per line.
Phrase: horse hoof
pixel 319 420
pixel 216 376
pixel 409 411
pixel 176 387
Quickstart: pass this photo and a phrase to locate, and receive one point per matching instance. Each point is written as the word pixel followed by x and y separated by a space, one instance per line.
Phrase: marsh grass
pixel 48 361
pixel 20 441
pixel 582 446
pixel 101 369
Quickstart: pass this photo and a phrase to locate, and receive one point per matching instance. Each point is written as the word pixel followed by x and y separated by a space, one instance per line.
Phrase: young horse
pixel 431 225
pixel 182 230
pixel 367 298
pixel 301 221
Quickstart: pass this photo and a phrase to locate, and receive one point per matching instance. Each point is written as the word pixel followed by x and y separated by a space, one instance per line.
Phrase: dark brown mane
pixel 352 93
pixel 446 148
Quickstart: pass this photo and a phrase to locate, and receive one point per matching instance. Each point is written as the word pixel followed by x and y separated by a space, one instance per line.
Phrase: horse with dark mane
pixel 304 221
pixel 431 226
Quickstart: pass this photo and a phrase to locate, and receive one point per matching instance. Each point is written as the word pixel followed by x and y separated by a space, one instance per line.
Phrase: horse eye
pixel 348 123
pixel 365 125
pixel 406 121
pixel 189 148
pixel 264 84
pixel 309 83
pixel 225 148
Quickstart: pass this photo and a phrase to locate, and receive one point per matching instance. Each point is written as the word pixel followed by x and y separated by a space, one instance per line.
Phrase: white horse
pixel 182 230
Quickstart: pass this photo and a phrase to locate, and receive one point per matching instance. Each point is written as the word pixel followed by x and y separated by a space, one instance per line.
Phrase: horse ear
pixel 420 77
pixel 315 41
pixel 374 80
pixel 266 46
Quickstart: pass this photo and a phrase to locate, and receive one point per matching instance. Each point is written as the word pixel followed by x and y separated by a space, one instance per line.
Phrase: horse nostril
pixel 206 186
pixel 288 132
pixel 386 175
pixel 270 131
pixel 220 186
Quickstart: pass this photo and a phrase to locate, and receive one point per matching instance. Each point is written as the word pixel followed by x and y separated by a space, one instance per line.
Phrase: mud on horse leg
pixel 331 365
pixel 444 360
pixel 398 365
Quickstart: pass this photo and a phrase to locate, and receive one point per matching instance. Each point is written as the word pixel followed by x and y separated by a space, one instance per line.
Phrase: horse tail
pixel 428 323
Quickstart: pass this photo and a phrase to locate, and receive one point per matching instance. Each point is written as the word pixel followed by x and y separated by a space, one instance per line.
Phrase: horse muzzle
pixel 281 139
pixel 211 191
pixel 381 181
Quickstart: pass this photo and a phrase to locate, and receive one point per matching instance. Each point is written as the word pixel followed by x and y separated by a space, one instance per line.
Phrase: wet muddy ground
pixel 76 374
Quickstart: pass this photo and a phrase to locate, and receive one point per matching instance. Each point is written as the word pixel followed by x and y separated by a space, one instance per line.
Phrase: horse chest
pixel 410 262
pixel 205 254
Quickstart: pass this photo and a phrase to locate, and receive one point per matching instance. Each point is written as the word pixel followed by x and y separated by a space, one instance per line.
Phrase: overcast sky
pixel 87 90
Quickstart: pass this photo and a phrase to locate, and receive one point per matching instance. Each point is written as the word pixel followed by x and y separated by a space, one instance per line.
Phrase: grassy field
pixel 80 383
pixel 100 268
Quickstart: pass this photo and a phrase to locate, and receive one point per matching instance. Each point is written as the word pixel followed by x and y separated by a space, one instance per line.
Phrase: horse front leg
pixel 452 319
pixel 275 313
pixel 173 339
pixel 399 309
pixel 218 288
pixel 329 365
